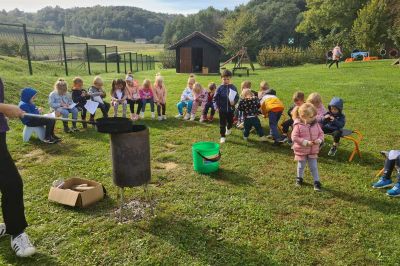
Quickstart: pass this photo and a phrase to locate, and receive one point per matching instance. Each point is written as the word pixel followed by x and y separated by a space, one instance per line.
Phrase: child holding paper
pixel 61 102
pixel 80 97
pixel 119 96
pixel 225 100
pixel 97 94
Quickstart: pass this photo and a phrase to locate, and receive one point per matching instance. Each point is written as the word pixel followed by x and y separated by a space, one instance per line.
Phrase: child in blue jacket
pixel 225 107
pixel 333 122
pixel 28 96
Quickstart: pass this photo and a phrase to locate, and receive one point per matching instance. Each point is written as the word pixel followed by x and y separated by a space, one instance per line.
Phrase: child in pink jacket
pixel 160 97
pixel 307 136
pixel 146 94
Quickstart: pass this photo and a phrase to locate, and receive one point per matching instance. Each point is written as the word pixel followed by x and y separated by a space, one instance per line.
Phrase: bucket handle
pixel 213 160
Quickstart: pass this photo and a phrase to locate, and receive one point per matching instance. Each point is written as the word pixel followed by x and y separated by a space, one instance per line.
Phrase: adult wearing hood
pixel 11 187
pixel 28 96
pixel 333 122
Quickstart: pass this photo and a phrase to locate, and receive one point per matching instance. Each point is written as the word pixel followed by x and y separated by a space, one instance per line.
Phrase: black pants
pixel 286 125
pixel 389 167
pixel 250 122
pixel 337 134
pixel 161 106
pixel 132 106
pixel 11 187
pixel 209 105
pixel 104 107
pixel 333 62
pixel 225 121
pixel 39 122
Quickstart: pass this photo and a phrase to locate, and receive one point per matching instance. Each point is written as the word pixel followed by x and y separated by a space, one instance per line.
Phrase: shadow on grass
pixel 37 259
pixel 229 176
pixel 388 206
pixel 206 244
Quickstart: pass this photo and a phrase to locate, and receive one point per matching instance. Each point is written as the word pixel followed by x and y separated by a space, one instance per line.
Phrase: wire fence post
pixel 88 58
pixel 137 65
pixel 117 55
pixel 28 54
pixel 65 54
pixel 130 62
pixel 141 58
pixel 105 57
pixel 154 63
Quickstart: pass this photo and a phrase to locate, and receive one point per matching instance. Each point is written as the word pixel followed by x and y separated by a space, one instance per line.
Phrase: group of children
pixel 309 119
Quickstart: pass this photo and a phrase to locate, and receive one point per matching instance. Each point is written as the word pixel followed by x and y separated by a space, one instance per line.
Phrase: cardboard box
pixel 65 195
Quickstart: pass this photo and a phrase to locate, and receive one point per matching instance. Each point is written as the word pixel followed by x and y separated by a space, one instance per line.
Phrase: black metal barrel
pixel 130 154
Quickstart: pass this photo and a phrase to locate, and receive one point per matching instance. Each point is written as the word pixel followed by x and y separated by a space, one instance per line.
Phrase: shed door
pixel 186 59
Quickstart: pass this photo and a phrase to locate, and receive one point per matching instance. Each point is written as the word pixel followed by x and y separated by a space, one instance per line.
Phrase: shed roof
pixel 193 35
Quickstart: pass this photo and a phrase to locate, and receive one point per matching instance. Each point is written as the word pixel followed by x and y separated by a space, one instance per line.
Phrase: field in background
pixel 249 213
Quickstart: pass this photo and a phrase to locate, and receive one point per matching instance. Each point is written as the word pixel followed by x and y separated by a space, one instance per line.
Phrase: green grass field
pixel 249 213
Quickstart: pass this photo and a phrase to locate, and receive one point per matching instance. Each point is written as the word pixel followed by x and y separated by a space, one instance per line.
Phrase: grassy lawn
pixel 249 213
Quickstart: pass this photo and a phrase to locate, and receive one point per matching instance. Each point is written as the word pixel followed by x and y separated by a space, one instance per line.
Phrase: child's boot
pixel 317 186
pixel 332 151
pixel 192 117
pixel 299 181
pixel 66 128
pixel 394 191
pixel 153 115
pixel 141 115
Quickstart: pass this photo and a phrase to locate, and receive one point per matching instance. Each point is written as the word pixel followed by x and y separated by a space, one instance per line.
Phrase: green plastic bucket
pixel 206 156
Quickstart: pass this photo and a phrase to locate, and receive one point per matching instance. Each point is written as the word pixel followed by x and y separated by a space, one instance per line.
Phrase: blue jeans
pixel 252 122
pixel 150 101
pixel 183 104
pixel 273 124
pixel 65 112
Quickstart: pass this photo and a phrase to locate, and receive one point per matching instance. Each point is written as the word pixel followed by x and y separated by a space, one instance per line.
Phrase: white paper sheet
pixel 393 154
pixel 91 106
pixel 98 99
pixel 232 95
pixel 72 105
pixel 53 114
pixel 119 95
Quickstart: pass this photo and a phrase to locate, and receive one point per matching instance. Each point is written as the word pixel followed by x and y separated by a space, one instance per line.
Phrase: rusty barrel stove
pixel 130 152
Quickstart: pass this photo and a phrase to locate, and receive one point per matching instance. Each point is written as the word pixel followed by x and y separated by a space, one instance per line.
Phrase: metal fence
pixel 52 53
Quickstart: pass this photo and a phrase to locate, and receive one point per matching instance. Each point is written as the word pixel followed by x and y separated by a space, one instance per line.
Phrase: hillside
pixel 112 22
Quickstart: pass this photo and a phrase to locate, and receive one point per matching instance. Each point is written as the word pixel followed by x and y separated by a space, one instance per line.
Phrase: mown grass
pixel 249 213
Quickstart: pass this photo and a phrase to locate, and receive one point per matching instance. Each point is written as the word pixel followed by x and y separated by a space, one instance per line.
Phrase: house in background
pixel 197 53
pixel 140 41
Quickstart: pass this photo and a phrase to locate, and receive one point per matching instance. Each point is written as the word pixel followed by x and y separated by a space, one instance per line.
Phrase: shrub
pixel 168 59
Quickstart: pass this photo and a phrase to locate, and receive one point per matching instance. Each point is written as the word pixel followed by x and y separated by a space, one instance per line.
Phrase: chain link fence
pixel 50 53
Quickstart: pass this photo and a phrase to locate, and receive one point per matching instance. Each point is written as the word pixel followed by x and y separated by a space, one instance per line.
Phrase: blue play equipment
pixel 356 55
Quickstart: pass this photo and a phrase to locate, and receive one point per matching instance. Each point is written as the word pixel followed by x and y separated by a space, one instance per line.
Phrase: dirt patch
pixel 134 210
pixel 37 156
pixel 166 166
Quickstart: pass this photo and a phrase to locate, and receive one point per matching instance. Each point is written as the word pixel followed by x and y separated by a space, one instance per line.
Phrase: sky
pixel 164 6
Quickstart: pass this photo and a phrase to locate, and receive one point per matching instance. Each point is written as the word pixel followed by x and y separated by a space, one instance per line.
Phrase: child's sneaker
pixel 263 139
pixel 317 186
pixel 133 117
pixel 395 191
pixel 141 115
pixel 67 130
pixel 299 181
pixel 283 139
pixel 246 138
pixel 160 118
pixel 192 117
pixel 383 183
pixel 222 140
pixel 228 132
pixel 75 129
pixel 270 136
pixel 202 118
pixel 164 117
pixel 240 125
pixel 332 151
pixel 2 230
pixel 178 116
pixel 49 141
pixel 153 115
pixel 187 117
pixel 22 246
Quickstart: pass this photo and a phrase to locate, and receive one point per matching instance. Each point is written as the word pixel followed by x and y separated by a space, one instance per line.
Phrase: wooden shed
pixel 197 51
